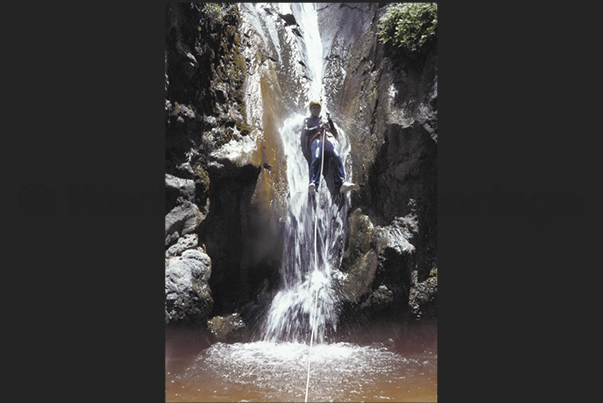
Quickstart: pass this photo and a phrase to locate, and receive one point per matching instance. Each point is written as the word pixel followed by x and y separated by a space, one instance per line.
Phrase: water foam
pixel 274 370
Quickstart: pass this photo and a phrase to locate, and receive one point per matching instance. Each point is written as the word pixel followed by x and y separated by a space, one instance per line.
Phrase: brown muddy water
pixel 377 370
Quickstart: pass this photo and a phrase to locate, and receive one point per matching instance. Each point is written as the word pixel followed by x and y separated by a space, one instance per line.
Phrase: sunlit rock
pixel 185 242
pixel 237 152
pixel 178 190
pixel 187 294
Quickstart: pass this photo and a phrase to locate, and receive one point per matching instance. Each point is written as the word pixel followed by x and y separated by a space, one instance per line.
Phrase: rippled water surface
pixel 267 371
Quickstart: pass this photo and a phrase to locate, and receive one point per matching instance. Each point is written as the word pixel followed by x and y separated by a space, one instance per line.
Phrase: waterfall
pixel 289 315
pixel 311 46
pixel 286 68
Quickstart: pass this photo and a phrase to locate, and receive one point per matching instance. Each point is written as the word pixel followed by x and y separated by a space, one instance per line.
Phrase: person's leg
pixel 316 149
pixel 338 169
pixel 336 164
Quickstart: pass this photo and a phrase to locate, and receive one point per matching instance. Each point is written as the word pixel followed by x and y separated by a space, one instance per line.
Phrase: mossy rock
pixel 359 241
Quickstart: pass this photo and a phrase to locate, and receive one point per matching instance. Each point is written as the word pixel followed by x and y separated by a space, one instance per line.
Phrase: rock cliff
pixel 234 73
pixel 387 104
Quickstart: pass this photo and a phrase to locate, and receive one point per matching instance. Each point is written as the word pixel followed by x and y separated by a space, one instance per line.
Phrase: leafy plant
pixel 409 26
pixel 214 11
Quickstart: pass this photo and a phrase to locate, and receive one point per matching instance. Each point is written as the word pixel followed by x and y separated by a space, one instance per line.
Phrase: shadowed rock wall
pixel 234 73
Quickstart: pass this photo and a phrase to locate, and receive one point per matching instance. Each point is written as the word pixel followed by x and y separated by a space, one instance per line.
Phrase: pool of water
pixel 380 371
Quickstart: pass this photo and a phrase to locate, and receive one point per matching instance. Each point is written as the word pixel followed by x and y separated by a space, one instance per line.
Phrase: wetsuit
pixel 311 142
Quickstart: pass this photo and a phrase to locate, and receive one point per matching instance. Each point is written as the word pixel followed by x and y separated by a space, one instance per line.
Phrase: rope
pixel 313 323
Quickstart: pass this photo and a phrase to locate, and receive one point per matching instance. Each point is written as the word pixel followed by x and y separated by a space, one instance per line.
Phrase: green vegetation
pixel 411 27
pixel 215 11
pixel 201 177
pixel 243 127
pixel 219 29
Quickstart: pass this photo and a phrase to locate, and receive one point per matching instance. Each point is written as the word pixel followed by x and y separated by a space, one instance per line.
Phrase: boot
pixel 347 186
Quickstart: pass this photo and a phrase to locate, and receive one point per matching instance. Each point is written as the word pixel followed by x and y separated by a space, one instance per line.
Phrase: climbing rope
pixel 313 322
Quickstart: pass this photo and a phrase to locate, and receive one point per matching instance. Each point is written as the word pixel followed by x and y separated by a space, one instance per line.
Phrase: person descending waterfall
pixel 311 143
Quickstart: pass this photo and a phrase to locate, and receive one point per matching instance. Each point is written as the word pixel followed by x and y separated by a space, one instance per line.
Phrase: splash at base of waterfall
pixel 271 372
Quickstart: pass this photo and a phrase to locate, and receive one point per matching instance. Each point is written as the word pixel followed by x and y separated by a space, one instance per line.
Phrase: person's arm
pixel 305 132
pixel 332 128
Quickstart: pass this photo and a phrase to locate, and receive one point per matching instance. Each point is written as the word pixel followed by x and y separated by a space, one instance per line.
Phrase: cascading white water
pixel 275 368
pixel 311 46
pixel 289 314
pixel 303 274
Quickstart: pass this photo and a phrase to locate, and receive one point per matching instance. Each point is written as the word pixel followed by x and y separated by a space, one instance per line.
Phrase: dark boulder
pixel 181 220
pixel 228 328
pixel 377 265
pixel 188 298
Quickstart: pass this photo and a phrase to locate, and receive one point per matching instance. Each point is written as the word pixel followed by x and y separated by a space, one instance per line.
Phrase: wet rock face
pixel 213 157
pixel 377 266
pixel 359 261
pixel 423 299
pixel 342 25
pixel 359 240
pixel 405 170
pixel 388 107
pixel 358 281
pixel 204 78
pixel 225 233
